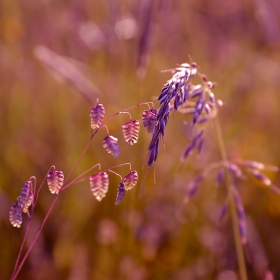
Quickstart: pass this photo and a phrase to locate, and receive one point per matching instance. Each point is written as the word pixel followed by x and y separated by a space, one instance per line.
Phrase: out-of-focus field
pixel 57 57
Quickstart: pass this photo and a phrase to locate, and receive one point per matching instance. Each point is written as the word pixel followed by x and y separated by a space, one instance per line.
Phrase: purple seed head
pixel 187 151
pixel 149 118
pixel 254 165
pixel 235 169
pixel 26 196
pixel 261 177
pixel 153 152
pixel 220 176
pixel 97 114
pixel 241 216
pixel 15 215
pixel 121 193
pixel 223 211
pixel 111 145
pixel 196 91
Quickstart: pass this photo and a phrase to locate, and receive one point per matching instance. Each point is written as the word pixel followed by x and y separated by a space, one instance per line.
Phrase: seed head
pixel 15 215
pixel 97 115
pixel 131 131
pixel 111 145
pixel 121 193
pixel 235 169
pixel 130 180
pixel 254 165
pixel 55 181
pixel 241 217
pixel 261 177
pixel 99 184
pixel 26 197
pixel 149 118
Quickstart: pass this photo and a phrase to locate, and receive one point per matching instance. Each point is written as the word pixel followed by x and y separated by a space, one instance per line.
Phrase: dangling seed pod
pixel 130 180
pixel 26 197
pixel 55 181
pixel 131 131
pixel 29 200
pixel 149 118
pixel 15 215
pixel 121 193
pixel 97 115
pixel 99 184
pixel 111 145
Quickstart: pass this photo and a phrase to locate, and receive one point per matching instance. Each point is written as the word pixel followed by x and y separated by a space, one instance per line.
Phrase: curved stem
pixel 15 274
pixel 232 206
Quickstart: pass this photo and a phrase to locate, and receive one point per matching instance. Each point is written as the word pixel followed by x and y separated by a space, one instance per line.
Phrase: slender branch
pixel 232 206
pixel 21 247
pixel 14 276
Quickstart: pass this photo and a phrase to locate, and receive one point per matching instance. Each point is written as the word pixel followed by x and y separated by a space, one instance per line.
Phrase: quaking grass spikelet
pixel 130 180
pixel 99 184
pixel 26 197
pixel 15 215
pixel 120 194
pixel 97 114
pixel 131 131
pixel 55 181
pixel 149 118
pixel 111 145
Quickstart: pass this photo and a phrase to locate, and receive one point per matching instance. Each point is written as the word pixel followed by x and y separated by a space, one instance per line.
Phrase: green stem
pixel 232 206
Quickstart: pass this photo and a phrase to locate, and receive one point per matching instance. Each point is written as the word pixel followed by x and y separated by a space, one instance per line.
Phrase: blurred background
pixel 57 57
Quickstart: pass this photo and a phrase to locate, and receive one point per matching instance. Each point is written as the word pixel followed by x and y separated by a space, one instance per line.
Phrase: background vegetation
pixel 57 57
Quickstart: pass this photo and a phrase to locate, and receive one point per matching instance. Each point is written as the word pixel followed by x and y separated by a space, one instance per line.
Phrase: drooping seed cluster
pixel 110 143
pixel 236 170
pixel 179 94
pixel 99 184
pixel 24 201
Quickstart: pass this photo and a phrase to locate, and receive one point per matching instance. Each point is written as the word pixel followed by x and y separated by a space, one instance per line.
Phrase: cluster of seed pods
pixel 99 184
pixel 24 201
pixel 130 129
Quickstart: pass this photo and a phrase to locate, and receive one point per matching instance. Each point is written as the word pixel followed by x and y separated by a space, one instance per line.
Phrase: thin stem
pixel 21 247
pixel 232 206
pixel 78 177
pixel 14 276
pixel 115 173
pixel 126 113
pixel 119 165
pixel 38 192
pixel 81 156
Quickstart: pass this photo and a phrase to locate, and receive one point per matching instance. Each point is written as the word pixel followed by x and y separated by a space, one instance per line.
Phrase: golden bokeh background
pixel 57 57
